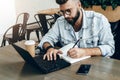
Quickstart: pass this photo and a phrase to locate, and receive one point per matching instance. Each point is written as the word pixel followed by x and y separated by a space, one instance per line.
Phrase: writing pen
pixel 76 43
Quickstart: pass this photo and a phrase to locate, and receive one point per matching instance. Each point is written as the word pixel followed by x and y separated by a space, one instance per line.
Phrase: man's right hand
pixel 51 54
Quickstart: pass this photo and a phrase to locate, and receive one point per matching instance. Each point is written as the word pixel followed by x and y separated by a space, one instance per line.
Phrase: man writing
pixel 90 28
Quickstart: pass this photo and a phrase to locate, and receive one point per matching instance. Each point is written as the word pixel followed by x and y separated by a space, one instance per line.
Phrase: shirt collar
pixel 84 19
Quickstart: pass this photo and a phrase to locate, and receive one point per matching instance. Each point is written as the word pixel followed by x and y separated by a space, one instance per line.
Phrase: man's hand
pixel 51 54
pixel 80 52
pixel 76 52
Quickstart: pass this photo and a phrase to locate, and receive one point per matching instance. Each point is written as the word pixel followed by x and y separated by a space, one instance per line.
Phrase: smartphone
pixel 84 69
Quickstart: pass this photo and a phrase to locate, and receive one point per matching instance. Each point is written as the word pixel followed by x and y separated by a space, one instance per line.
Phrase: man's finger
pixel 54 56
pixel 44 57
pixel 50 55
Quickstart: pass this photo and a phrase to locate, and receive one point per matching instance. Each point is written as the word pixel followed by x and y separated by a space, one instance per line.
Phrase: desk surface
pixel 49 11
pixel 13 67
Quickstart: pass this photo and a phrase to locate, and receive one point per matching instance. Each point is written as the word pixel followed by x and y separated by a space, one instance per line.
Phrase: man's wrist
pixel 46 49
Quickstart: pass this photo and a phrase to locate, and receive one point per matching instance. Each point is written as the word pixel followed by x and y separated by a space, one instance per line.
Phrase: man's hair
pixel 60 2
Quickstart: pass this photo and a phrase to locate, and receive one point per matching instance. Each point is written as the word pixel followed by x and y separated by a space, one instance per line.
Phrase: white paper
pixel 67 58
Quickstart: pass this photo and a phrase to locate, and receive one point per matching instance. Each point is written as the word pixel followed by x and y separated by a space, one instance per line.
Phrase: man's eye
pixel 68 10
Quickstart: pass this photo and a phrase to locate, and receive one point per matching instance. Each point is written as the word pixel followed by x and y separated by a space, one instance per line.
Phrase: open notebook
pixel 67 58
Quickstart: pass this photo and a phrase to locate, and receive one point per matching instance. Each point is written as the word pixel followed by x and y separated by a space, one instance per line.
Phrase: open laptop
pixel 44 66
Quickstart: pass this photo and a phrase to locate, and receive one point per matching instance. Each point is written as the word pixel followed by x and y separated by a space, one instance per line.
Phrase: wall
pixel 11 8
pixel 7 14
pixel 112 15
pixel 33 6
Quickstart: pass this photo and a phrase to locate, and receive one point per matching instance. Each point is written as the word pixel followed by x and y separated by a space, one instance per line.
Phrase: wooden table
pixel 13 67
pixel 49 11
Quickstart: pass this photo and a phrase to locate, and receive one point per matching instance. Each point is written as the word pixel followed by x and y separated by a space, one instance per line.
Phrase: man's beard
pixel 72 22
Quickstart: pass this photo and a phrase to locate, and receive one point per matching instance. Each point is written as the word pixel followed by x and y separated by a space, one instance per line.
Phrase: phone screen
pixel 83 69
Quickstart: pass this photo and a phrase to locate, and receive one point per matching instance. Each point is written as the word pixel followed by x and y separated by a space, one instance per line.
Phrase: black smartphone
pixel 84 69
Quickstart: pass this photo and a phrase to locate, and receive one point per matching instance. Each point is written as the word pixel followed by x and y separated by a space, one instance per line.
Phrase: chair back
pixel 115 27
pixel 16 31
pixel 22 18
pixel 46 21
pixel 39 23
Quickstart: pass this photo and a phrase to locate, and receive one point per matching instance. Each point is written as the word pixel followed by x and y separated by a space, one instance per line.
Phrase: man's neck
pixel 78 23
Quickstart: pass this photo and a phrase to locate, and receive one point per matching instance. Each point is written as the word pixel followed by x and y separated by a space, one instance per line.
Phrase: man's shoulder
pixel 91 14
pixel 61 19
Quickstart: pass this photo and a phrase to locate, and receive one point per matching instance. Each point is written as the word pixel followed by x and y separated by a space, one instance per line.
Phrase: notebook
pixel 67 58
pixel 43 66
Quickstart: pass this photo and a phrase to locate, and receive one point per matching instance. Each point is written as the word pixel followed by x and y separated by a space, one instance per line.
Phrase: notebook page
pixel 67 58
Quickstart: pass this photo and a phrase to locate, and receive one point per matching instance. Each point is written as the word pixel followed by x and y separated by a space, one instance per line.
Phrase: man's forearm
pixel 92 51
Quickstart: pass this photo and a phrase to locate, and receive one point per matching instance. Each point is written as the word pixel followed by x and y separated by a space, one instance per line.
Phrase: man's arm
pixel 80 52
pixel 92 51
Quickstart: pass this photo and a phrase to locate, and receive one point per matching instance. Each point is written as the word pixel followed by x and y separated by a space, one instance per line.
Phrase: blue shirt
pixel 95 32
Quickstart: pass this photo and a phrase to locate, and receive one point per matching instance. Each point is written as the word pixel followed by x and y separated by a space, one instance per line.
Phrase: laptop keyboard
pixel 50 66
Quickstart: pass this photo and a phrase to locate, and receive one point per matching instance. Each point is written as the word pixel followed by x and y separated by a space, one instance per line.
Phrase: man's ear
pixel 79 4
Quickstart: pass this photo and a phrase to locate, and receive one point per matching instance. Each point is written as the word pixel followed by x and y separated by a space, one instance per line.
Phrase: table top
pixel 13 67
pixel 49 11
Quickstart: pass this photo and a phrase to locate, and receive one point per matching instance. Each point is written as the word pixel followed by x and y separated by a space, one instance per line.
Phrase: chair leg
pixel 3 43
pixel 37 33
pixel 28 34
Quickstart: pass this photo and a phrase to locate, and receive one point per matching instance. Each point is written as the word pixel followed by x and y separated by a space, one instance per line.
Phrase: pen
pixel 76 43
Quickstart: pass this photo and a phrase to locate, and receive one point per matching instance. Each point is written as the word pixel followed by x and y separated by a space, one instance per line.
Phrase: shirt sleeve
pixel 106 42
pixel 51 36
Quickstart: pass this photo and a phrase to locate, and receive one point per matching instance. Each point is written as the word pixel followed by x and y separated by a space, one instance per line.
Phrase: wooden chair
pixel 46 22
pixel 18 30
pixel 46 17
pixel 115 26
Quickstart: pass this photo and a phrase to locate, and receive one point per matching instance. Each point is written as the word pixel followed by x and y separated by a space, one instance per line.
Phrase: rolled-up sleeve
pixel 106 43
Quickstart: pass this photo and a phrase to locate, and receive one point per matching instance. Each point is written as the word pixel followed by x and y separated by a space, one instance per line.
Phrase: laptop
pixel 43 66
